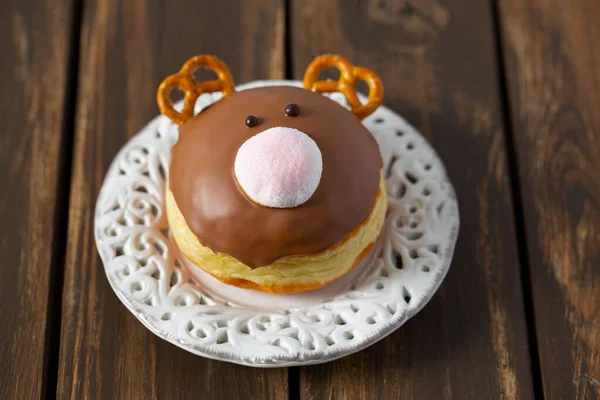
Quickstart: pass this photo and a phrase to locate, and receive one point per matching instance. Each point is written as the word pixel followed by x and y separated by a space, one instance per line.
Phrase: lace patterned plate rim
pixel 405 270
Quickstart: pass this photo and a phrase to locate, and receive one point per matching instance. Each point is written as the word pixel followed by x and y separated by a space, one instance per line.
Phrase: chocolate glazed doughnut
pixel 218 212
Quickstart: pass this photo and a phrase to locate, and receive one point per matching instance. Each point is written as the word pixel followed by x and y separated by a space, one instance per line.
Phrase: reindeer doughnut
pixel 277 188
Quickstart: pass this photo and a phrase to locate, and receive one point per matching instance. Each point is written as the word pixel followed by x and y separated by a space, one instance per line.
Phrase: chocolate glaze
pixel 224 219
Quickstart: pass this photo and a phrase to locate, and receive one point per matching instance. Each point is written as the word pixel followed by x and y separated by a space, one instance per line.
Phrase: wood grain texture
pixel 127 48
pixel 438 65
pixel 553 69
pixel 34 40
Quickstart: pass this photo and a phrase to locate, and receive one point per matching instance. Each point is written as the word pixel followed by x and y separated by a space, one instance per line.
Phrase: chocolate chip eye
pixel 251 121
pixel 292 110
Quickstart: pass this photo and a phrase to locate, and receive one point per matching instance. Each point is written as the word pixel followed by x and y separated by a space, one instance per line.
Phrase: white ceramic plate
pixel 208 318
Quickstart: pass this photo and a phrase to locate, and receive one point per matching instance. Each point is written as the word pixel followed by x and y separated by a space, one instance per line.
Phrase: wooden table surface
pixel 507 91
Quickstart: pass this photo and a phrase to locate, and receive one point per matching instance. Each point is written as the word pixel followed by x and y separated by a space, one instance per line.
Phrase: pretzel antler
pixel 192 89
pixel 349 74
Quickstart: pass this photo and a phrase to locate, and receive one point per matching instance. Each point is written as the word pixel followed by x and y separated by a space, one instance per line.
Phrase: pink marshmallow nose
pixel 279 167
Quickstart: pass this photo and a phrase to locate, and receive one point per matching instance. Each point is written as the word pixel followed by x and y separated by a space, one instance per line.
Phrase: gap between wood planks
pixel 293 372
pixel 57 267
pixel 517 201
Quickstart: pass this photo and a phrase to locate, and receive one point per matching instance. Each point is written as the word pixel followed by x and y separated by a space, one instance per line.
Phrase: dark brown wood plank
pixel 127 48
pixel 438 65
pixel 553 72
pixel 35 46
